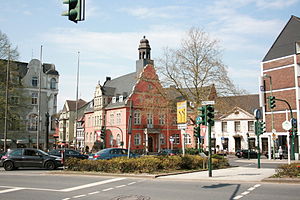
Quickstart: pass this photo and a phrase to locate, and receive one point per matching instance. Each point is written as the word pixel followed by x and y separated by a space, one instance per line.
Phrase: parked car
pixel 243 153
pixel 110 153
pixel 27 157
pixel 69 153
pixel 168 152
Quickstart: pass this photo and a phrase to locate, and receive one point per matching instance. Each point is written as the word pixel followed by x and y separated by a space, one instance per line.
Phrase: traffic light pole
pixel 258 148
pixel 209 152
pixel 293 130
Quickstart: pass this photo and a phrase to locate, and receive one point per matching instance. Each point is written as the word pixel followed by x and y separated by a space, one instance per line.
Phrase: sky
pixel 108 39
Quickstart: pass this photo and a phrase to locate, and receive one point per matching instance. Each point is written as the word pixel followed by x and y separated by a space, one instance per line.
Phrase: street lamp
pixel 6 99
pixel 272 116
pixel 248 146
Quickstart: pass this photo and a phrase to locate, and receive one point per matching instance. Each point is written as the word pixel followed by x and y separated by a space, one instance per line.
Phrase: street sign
pixel 286 125
pixel 208 103
pixel 257 113
pixel 181 126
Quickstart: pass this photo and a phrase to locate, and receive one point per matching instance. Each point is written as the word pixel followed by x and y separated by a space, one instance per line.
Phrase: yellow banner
pixel 181 112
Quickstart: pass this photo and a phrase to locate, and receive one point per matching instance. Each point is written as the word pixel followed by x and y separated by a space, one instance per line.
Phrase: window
pixel 32 122
pixel 176 138
pixel 111 141
pixel 149 118
pixel 118 118
pixel 14 123
pixel 162 139
pixel 34 81
pixel 137 139
pixel 14 100
pixel 137 117
pixel 111 118
pixel 224 126
pixel 91 137
pixel 162 120
pixel 53 83
pixel 237 126
pixel 251 126
pixel 251 143
pixel 34 98
pixel 118 140
pixel 187 139
pixel 225 144
pixel 55 100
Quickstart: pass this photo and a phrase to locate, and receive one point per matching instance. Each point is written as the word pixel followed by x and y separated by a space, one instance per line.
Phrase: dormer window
pixel 114 99
pixel 121 98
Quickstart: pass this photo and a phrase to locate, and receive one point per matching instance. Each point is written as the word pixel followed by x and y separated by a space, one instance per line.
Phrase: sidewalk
pixel 234 174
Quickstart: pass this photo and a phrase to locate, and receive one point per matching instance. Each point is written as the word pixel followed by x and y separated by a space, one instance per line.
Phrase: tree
pixel 194 66
pixel 8 55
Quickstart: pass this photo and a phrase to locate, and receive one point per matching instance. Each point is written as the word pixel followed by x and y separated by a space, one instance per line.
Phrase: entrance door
pixel 150 144
pixel 237 143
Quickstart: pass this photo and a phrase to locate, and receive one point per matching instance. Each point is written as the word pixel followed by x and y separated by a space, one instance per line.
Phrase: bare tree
pixel 195 65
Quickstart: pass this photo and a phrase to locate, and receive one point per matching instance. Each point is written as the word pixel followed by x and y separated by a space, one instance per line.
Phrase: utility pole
pixel 77 82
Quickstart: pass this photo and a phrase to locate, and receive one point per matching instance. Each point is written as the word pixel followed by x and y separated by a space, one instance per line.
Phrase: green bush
pixel 145 164
pixel 288 170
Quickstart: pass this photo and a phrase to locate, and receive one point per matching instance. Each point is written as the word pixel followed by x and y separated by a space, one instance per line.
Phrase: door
pixel 150 144
pixel 32 158
pixel 237 143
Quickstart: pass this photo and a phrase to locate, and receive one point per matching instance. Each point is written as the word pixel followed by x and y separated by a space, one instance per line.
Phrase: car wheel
pixel 50 165
pixel 8 166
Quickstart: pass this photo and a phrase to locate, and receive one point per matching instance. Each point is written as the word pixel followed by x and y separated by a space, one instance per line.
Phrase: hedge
pixel 145 164
pixel 288 170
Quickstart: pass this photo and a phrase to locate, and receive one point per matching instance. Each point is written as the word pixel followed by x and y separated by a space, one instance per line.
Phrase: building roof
pixel 72 104
pixel 285 44
pixel 121 85
pixel 246 102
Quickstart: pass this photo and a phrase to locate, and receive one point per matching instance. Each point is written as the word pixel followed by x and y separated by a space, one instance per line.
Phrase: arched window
pixel 32 122
pixel 118 140
pixel 53 83
pixel 137 139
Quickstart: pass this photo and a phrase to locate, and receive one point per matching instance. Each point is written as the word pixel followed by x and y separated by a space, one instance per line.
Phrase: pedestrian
pixel 280 152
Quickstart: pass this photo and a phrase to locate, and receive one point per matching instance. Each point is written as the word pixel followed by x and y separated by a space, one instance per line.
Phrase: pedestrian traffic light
pixel 271 100
pixel 210 115
pixel 291 132
pixel 197 131
pixel 103 132
pixel 76 10
pixel 202 115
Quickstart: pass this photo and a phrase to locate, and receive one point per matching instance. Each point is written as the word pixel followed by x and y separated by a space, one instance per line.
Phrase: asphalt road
pixel 38 184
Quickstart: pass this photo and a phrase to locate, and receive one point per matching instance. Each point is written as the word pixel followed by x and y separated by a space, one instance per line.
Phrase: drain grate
pixel 131 197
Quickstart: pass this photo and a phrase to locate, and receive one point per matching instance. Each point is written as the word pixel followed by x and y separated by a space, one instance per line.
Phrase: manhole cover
pixel 131 197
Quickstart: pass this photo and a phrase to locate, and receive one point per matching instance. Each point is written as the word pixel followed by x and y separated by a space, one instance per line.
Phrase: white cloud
pixel 275 4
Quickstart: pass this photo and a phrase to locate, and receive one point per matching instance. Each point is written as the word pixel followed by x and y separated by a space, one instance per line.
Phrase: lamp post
pixel 6 100
pixel 248 146
pixel 272 116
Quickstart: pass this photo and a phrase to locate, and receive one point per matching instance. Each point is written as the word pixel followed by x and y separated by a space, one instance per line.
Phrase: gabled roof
pixel 71 105
pixel 285 43
pixel 246 102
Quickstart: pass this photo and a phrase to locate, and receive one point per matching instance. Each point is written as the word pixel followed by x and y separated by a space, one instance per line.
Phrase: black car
pixel 27 157
pixel 243 153
pixel 168 152
pixel 69 153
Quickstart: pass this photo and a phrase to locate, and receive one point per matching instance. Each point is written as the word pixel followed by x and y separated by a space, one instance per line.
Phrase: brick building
pixel 280 77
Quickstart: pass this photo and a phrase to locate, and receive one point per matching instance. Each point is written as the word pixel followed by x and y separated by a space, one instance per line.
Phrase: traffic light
pixel 271 100
pixel 103 132
pixel 202 115
pixel 76 10
pixel 210 115
pixel 261 127
pixel 197 131
pixel 291 132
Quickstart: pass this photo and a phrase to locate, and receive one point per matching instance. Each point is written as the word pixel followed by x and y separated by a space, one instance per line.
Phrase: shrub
pixel 288 170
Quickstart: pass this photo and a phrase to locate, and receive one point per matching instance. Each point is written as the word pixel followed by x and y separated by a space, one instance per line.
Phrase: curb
pixel 282 180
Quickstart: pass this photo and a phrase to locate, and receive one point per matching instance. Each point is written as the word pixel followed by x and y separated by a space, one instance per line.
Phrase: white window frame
pixel 137 117
pixel 137 139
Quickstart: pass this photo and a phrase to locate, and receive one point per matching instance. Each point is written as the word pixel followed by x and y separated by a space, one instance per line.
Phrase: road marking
pixel 252 188
pixel 131 183
pixel 257 185
pixel 66 199
pixel 120 186
pixel 78 196
pixel 10 190
pixel 238 197
pixel 107 189
pixel 245 193
pixel 91 184
pixel 94 193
